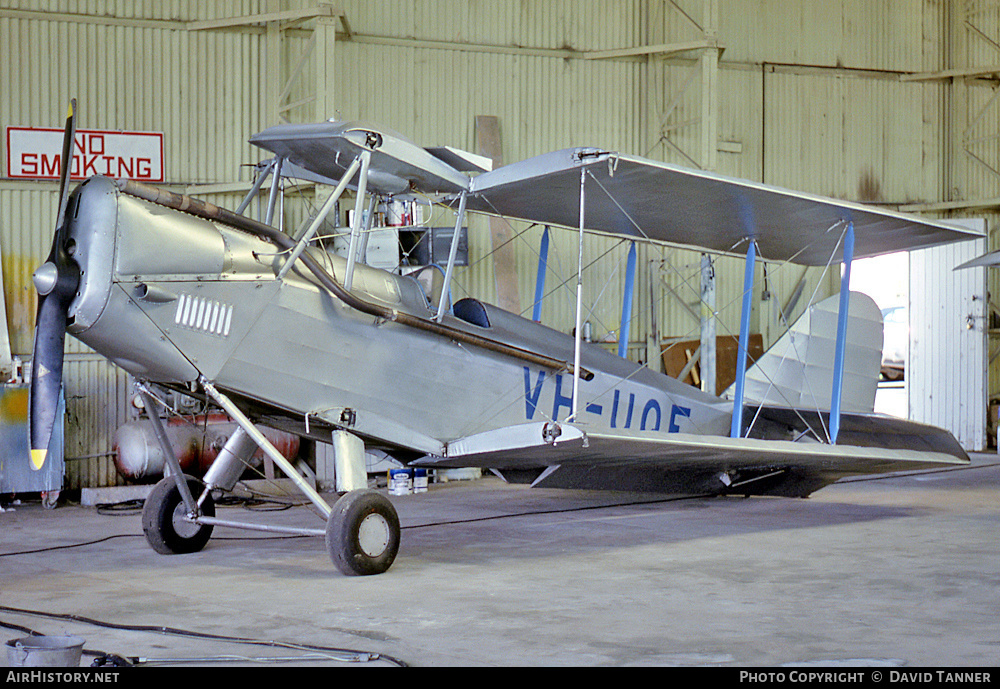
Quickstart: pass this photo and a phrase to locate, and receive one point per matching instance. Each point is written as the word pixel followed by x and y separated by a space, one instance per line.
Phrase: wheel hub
pixel 182 522
pixel 373 535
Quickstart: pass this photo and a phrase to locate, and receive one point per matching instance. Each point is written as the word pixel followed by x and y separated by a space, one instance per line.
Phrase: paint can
pixel 398 213
pixel 420 480
pixel 400 482
pixel 45 651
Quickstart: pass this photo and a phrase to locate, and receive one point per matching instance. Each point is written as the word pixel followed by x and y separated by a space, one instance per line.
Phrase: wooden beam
pixel 488 144
pixel 42 15
pixel 289 19
pixel 465 47
pixel 324 88
pixel 950 205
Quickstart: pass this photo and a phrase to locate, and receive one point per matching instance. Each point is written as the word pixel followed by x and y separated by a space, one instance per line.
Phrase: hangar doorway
pixel 886 279
pixel 935 322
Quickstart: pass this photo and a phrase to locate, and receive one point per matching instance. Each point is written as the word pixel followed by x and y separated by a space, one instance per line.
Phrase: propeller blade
pixel 66 162
pixel 46 376
pixel 56 282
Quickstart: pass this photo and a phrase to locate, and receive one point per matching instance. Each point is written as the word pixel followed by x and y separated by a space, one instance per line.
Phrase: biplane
pixel 188 296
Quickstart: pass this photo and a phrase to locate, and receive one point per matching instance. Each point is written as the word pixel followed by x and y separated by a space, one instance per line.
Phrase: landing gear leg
pixel 168 512
pixel 362 533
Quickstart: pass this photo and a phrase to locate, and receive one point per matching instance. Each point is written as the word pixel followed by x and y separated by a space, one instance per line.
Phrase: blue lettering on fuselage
pixel 676 411
pixel 561 400
pixel 531 398
pixel 651 418
pixel 651 405
pixel 631 406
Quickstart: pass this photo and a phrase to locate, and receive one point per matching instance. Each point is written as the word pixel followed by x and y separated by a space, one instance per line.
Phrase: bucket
pixel 45 651
pixel 400 482
pixel 420 480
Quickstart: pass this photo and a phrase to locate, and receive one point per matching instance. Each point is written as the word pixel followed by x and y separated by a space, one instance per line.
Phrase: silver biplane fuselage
pixel 202 299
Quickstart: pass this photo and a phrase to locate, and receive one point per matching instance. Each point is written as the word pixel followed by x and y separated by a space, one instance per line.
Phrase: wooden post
pixel 504 263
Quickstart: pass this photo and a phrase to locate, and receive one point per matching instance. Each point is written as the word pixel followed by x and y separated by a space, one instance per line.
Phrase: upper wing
pixel 397 164
pixel 646 199
pixel 695 463
pixel 632 196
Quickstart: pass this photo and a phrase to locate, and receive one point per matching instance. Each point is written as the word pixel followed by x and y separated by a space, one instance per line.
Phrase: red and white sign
pixel 34 153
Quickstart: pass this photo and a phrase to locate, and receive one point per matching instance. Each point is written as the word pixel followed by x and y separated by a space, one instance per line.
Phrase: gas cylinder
pixel 196 442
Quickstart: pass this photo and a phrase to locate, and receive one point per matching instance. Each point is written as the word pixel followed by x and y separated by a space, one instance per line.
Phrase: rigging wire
pixel 732 248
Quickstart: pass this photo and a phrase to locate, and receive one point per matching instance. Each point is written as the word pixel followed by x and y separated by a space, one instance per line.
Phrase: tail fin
pixel 797 371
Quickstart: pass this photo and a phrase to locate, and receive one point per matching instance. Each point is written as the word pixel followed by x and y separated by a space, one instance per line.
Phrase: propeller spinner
pixel 56 281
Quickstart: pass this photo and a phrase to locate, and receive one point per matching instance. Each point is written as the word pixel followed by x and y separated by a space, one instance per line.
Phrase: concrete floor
pixel 901 571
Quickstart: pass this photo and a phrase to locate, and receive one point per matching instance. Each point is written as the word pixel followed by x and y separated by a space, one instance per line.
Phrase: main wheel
pixel 164 518
pixel 362 533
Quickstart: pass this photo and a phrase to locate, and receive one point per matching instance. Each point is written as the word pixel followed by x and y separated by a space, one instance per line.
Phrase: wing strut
pixel 272 197
pixel 366 158
pixel 324 211
pixel 263 172
pixel 366 231
pixel 579 300
pixel 452 255
pixel 623 332
pixel 707 362
pixel 736 430
pixel 543 258
pixel 838 361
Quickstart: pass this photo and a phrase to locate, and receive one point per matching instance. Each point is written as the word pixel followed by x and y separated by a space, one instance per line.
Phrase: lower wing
pixel 570 456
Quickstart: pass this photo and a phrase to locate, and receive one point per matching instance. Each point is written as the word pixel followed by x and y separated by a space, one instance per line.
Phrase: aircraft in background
pixel 274 330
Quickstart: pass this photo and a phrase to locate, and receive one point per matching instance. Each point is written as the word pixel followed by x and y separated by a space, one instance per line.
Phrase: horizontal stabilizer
pixel 986 260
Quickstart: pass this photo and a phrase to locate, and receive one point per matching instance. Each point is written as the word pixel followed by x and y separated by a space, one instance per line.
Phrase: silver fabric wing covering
pixel 640 198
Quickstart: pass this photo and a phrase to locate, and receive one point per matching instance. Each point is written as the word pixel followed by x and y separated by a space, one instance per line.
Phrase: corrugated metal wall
pixel 808 96
pixel 974 110
pixel 946 364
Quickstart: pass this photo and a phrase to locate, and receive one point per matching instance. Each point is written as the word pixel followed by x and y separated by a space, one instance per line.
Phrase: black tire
pixel 362 533
pixel 164 523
